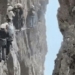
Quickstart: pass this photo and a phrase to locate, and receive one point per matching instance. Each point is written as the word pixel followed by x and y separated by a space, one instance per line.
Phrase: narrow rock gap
pixel 54 36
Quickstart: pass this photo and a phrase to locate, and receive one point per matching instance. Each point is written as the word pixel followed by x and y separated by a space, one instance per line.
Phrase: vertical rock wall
pixel 65 62
pixel 27 55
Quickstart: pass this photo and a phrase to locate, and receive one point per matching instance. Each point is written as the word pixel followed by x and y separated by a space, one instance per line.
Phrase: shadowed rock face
pixel 29 47
pixel 65 62
pixel 3 8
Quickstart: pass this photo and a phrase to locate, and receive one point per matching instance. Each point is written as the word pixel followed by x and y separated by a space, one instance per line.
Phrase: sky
pixel 54 37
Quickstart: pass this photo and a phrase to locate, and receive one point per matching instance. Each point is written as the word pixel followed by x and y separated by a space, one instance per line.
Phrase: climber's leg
pixel 3 53
pixel 0 54
pixel 8 48
pixel 31 21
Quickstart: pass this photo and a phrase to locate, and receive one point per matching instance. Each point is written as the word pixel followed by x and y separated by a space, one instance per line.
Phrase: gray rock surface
pixel 29 48
pixel 65 62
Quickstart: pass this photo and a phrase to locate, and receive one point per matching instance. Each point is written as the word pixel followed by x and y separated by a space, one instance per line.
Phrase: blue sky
pixel 54 37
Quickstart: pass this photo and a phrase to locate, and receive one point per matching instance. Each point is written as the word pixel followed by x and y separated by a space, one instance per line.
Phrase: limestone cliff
pixel 65 62
pixel 29 48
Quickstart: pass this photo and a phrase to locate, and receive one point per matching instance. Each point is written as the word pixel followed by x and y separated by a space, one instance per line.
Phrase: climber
pixel 31 20
pixel 3 39
pixel 10 35
pixel 9 19
pixel 18 19
pixel 40 12
pixel 6 37
pixel 9 27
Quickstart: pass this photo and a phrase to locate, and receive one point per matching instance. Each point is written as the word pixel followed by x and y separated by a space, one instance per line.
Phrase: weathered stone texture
pixel 29 46
pixel 65 62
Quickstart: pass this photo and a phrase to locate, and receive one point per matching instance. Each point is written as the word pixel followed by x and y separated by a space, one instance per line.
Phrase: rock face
pixel 65 62
pixel 29 47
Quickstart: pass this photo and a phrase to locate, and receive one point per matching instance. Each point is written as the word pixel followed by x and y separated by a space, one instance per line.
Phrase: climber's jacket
pixel 7 31
pixel 31 11
pixel 3 37
pixel 10 31
pixel 18 11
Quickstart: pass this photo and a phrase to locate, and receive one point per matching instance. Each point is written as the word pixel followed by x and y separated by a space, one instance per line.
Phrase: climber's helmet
pixel 18 5
pixel 10 8
pixel 32 6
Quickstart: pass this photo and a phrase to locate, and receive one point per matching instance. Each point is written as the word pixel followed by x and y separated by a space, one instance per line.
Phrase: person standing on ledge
pixel 31 17
pixel 18 19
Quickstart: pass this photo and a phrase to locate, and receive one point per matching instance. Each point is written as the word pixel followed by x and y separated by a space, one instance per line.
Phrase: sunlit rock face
pixel 65 61
pixel 29 47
